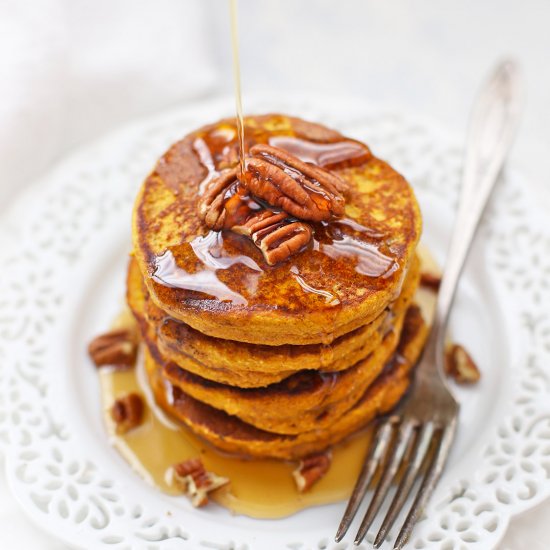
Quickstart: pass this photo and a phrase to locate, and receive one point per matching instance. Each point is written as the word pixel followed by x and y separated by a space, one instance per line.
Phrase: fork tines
pixel 403 450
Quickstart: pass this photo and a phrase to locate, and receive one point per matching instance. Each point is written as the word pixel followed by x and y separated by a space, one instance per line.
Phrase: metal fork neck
pixel 492 127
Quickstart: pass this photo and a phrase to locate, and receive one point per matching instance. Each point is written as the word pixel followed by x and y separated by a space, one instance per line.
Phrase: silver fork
pixel 416 439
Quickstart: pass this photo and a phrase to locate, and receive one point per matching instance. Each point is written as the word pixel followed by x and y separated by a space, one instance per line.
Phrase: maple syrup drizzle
pixel 328 155
pixel 330 298
pixel 208 249
pixel 204 280
pixel 203 151
pixel 237 81
pixel 371 262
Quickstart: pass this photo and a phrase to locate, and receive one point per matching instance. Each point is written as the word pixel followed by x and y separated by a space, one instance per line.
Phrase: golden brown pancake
pixel 233 435
pixel 245 365
pixel 175 336
pixel 219 283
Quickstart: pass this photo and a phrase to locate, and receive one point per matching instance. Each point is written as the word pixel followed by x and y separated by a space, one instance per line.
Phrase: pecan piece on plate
pixel 127 412
pixel 430 280
pixel 304 190
pixel 195 481
pixel 460 365
pixel 224 201
pixel 311 469
pixel 117 347
pixel 277 235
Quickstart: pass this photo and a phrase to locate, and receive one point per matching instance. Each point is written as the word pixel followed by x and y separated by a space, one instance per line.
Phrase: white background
pixel 71 71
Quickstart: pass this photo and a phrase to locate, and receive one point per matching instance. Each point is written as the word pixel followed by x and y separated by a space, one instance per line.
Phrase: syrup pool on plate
pixel 259 488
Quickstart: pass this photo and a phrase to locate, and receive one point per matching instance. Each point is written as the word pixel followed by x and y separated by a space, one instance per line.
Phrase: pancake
pixel 251 365
pixel 220 284
pixel 305 401
pixel 233 435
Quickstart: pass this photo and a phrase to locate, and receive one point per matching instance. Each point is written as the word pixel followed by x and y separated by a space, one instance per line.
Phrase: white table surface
pixel 423 57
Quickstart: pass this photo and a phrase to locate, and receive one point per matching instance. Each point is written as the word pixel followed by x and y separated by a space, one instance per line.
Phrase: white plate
pixel 63 249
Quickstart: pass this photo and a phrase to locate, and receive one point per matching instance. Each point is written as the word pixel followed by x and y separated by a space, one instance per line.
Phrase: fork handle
pixel 493 125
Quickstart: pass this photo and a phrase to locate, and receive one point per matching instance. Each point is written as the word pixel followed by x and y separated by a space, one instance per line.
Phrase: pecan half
pixel 304 190
pixel 117 348
pixel 460 365
pixel 127 412
pixel 260 220
pixel 195 481
pixel 311 469
pixel 223 202
pixel 430 280
pixel 277 235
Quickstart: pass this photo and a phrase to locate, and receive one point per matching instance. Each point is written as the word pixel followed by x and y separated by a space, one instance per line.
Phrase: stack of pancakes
pixel 276 361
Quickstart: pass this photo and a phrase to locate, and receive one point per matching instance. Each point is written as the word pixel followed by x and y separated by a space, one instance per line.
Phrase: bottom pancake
pixel 233 435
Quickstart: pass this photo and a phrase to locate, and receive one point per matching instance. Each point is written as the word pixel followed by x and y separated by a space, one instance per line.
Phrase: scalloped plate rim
pixel 50 180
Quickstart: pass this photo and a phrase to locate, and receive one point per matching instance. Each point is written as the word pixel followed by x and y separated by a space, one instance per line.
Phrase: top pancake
pixel 219 282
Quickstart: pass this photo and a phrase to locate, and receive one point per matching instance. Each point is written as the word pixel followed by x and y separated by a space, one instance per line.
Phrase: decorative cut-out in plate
pixel 64 245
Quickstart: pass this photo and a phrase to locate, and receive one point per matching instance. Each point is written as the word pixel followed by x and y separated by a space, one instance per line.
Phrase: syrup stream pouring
pixel 417 438
pixel 237 80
